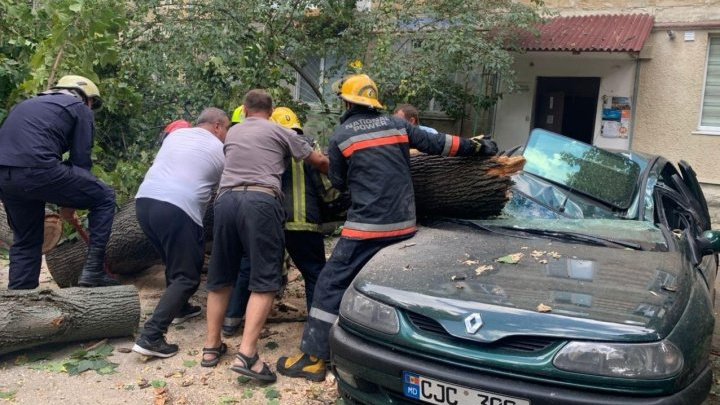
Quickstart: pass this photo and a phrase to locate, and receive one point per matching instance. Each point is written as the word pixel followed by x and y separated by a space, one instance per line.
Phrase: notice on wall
pixel 616 117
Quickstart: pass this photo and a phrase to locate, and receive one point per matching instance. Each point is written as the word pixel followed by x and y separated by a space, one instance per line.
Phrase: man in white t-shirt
pixel 170 206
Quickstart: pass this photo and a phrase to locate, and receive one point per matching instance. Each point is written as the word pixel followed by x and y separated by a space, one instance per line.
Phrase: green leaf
pixel 510 259
pixel 158 383
pixel 271 393
pixel 243 379
pixel 189 363
pixel 9 395
pixel 76 7
pixel 226 400
pixel 248 393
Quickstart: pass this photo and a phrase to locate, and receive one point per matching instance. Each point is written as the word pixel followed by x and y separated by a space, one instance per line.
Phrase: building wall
pixel 663 10
pixel 514 116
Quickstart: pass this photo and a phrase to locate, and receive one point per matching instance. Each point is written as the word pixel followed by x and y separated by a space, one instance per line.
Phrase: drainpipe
pixel 636 85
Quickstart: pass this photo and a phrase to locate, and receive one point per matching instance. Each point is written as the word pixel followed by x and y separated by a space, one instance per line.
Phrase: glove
pixel 484 146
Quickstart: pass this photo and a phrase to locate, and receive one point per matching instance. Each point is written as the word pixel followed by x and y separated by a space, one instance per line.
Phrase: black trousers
pixel 307 250
pixel 181 244
pixel 346 261
pixel 24 192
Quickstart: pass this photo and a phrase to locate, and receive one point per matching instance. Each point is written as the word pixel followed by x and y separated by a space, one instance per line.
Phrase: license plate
pixel 439 392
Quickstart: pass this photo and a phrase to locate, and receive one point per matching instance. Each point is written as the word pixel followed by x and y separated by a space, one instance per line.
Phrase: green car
pixel 595 286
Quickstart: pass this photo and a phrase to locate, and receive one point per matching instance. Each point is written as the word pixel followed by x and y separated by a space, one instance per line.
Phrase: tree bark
pixel 30 318
pixel 467 187
pixel 462 187
pixel 53 230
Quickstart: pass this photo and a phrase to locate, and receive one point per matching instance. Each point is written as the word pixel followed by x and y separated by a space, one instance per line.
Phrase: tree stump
pixel 30 318
pixel 53 230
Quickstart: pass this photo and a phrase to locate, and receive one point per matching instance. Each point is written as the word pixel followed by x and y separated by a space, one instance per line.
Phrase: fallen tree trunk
pixel 53 230
pixel 469 187
pixel 462 187
pixel 30 318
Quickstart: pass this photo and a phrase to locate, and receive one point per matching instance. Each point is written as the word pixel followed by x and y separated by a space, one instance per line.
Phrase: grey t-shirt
pixel 256 152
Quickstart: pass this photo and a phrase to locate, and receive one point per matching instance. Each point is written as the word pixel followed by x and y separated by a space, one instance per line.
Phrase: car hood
pixel 593 293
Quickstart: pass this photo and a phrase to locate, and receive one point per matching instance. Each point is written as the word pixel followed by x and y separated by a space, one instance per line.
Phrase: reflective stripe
pixel 321 315
pixel 390 140
pixel 355 234
pixel 371 135
pixel 302 226
pixel 298 191
pixel 379 227
pixel 448 145
pixel 455 146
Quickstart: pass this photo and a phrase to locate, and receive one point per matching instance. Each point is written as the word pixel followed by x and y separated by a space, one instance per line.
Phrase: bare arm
pixel 319 161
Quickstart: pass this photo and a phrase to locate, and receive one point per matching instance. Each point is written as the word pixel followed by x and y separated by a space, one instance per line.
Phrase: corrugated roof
pixel 593 33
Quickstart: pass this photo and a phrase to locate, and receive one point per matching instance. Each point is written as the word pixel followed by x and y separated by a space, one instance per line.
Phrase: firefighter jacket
pixel 370 156
pixel 304 195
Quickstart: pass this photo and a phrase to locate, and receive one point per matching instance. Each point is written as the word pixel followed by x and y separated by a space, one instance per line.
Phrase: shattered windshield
pixel 605 176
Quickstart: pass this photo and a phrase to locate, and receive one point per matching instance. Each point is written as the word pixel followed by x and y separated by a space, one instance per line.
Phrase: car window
pixel 605 176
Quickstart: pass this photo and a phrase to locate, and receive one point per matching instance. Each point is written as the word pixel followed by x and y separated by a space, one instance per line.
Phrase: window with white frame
pixel 325 71
pixel 710 115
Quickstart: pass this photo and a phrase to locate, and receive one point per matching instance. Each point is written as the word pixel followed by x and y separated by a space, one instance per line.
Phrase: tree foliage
pixel 159 60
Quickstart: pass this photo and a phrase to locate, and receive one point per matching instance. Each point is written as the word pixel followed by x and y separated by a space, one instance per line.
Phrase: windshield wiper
pixel 578 237
pixel 525 233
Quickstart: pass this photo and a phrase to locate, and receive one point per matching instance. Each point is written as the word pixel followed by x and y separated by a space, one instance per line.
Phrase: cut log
pixel 30 318
pixel 53 230
pixel 462 187
pixel 468 187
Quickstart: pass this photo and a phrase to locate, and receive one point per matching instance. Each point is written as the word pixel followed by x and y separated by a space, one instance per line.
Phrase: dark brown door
pixel 567 106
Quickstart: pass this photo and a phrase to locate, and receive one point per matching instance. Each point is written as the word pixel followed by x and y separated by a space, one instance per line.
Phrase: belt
pixel 261 189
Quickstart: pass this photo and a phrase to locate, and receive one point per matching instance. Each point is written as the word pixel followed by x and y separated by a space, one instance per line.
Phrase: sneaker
pixel 302 365
pixel 157 348
pixel 188 311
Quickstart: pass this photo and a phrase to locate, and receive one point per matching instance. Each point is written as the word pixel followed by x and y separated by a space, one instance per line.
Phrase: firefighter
pixel 304 192
pixel 369 155
pixel 33 139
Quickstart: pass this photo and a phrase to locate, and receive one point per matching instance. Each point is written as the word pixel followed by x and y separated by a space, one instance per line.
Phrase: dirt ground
pixel 24 381
pixel 186 382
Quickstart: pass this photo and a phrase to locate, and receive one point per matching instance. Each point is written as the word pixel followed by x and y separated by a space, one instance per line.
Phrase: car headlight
pixel 633 360
pixel 369 313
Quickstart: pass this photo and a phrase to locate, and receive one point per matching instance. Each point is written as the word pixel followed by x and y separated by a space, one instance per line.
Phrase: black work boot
pixel 93 273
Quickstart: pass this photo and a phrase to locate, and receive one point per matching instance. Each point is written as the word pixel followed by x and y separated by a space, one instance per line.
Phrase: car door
pixel 690 180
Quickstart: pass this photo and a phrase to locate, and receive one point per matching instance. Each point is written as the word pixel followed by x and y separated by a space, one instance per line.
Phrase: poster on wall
pixel 616 117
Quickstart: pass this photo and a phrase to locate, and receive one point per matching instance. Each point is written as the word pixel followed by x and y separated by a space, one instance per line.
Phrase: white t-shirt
pixel 185 171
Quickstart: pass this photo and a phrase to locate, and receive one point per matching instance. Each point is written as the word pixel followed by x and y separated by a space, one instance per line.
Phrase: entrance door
pixel 567 105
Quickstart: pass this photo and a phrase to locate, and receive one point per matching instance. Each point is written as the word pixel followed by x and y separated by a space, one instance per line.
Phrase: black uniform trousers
pixel 181 244
pixel 24 192
pixel 306 249
pixel 346 261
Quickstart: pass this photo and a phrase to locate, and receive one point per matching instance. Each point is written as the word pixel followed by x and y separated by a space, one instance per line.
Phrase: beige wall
pixel 663 10
pixel 669 103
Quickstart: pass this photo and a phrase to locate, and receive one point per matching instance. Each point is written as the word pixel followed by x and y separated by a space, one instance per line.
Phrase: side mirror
pixel 709 242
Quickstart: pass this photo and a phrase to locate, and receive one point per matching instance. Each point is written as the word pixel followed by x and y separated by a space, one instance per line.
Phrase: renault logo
pixel 473 323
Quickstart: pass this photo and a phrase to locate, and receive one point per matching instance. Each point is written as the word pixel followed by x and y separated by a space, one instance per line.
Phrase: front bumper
pixel 378 370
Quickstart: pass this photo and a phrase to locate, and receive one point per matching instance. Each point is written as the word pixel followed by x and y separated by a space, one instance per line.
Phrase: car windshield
pixel 605 176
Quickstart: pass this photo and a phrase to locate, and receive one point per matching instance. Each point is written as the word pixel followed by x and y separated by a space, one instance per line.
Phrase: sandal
pixel 265 375
pixel 217 351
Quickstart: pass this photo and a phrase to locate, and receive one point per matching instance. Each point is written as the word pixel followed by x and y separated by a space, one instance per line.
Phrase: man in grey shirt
pixel 249 220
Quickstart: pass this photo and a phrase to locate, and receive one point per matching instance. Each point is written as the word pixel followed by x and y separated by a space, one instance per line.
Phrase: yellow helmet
pixel 83 85
pixel 360 89
pixel 238 116
pixel 286 118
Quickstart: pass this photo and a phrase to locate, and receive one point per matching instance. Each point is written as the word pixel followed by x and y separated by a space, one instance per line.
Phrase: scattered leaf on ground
pixel 158 383
pixel 161 396
pixel 143 383
pixel 543 308
pixel 9 395
pixel 536 254
pixel 484 268
pixel 271 345
pixel 189 363
pixel 554 255
pixel 187 382
pixel 175 373
pixel 510 259
pixel 226 400
pixel 243 379
pixel 193 352
pixel 271 393
pixel 470 262
pixel 248 393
